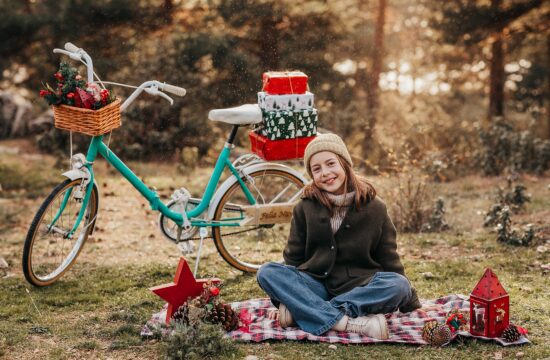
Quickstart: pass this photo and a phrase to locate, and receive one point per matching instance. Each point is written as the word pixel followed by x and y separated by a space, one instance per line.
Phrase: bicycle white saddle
pixel 240 115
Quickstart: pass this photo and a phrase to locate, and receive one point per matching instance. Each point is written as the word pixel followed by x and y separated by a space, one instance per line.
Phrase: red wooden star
pixel 185 286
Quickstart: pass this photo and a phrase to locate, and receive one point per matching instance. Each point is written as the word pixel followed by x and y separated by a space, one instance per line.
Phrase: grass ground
pixel 96 311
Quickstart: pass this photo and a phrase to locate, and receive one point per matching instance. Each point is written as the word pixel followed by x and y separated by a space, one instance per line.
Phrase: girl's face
pixel 327 172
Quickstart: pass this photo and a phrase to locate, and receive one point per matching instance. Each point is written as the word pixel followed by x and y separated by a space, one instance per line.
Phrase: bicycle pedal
pixel 186 247
pixel 181 195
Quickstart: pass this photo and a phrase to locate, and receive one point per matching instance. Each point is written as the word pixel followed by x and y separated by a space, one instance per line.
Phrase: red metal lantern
pixel 489 307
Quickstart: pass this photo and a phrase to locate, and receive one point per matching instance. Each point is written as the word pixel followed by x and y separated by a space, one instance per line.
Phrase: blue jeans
pixel 316 311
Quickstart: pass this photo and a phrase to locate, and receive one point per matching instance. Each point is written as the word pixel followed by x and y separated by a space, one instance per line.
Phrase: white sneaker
pixel 374 326
pixel 285 317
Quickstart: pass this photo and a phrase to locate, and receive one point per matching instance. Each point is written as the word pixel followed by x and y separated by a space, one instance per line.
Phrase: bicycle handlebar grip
pixel 71 47
pixel 176 90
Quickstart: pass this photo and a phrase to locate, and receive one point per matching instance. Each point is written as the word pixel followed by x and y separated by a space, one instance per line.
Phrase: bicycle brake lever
pixel 153 90
pixel 166 97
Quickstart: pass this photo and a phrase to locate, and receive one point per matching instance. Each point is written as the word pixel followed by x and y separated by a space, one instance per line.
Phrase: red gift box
pixel 271 150
pixel 281 83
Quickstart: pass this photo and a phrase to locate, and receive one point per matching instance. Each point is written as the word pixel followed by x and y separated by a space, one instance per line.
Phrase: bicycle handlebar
pixel 71 47
pixel 152 87
pixel 176 90
pixel 73 56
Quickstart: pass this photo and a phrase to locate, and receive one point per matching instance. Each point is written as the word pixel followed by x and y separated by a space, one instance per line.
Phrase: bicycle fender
pixel 76 174
pixel 247 170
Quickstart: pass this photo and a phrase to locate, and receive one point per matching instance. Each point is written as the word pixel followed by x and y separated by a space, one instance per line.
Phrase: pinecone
pixel 428 329
pixel 181 315
pixel 442 335
pixel 198 302
pixel 436 334
pixel 223 314
pixel 511 333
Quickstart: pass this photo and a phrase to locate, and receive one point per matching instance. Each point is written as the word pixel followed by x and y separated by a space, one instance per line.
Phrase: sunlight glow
pixel 346 67
pixel 512 67
pixel 405 67
pixel 407 84
pixel 512 85
pixel 399 78
pixel 525 63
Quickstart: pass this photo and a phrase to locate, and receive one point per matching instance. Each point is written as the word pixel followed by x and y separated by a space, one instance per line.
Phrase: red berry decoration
pixel 214 291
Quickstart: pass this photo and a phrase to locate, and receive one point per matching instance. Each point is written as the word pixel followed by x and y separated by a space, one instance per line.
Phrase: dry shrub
pixel 504 148
pixel 436 220
pixel 439 136
pixel 411 203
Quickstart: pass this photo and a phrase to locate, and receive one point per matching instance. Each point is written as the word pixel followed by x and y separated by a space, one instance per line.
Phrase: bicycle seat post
pixel 232 135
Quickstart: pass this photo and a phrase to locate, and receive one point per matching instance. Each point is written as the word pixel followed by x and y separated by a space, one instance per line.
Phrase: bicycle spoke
pixel 48 250
pixel 249 247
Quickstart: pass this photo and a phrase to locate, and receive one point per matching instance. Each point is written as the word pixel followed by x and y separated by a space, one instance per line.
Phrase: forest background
pixel 430 82
pixel 445 99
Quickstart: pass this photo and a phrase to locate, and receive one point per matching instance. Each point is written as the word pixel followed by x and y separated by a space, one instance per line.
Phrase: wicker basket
pixel 86 121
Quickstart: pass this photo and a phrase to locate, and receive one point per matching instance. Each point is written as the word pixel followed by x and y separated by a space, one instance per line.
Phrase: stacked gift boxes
pixel 289 118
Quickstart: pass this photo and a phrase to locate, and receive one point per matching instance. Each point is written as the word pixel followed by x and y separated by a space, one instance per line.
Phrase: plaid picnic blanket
pixel 403 328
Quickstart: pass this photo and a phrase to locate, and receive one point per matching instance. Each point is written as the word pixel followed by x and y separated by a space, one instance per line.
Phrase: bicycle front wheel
pixel 49 252
pixel 248 247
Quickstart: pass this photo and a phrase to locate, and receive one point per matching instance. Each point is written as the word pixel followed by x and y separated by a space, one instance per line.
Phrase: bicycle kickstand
pixel 203 232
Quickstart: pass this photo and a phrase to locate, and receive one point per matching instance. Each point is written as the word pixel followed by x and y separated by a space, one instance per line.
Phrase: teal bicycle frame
pixel 97 146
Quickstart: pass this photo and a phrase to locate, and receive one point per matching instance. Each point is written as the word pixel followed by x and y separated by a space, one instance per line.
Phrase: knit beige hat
pixel 326 142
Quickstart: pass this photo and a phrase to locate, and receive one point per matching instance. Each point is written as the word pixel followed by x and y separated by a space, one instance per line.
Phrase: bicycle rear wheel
pixel 248 247
pixel 48 253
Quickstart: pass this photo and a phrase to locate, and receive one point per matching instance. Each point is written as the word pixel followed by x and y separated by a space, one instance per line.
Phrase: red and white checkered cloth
pixel 403 328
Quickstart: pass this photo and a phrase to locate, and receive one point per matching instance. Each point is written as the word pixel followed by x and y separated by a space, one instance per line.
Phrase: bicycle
pixel 254 202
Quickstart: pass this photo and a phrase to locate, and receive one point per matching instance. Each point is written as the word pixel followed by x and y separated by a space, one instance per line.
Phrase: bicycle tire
pixel 252 250
pixel 32 249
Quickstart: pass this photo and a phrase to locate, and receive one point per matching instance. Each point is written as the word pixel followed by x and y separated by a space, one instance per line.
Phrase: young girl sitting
pixel 342 269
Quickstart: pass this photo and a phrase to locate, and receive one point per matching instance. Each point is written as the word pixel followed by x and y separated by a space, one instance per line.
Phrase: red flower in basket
pixel 58 76
pixel 104 96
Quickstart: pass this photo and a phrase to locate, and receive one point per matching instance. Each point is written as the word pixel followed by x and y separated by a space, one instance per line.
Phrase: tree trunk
pixel 547 132
pixel 497 76
pixel 269 47
pixel 168 7
pixel 373 77
pixel 28 8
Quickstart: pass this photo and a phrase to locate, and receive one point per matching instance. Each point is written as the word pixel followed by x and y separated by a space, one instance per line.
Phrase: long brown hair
pixel 364 191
